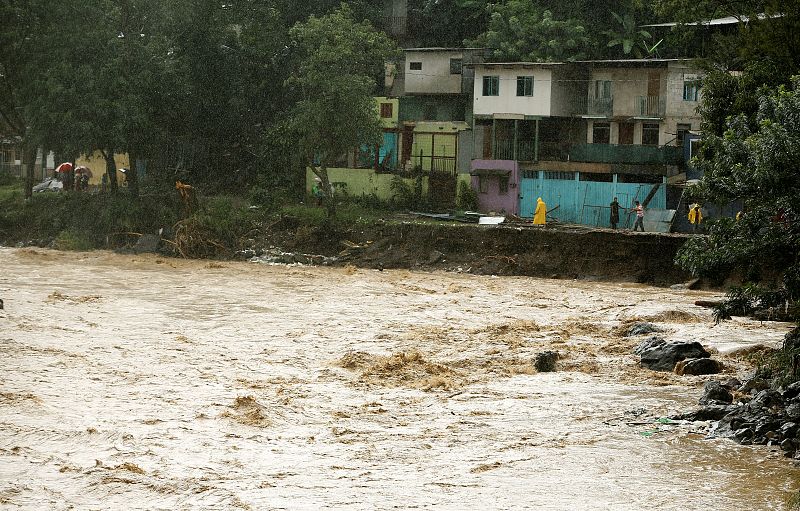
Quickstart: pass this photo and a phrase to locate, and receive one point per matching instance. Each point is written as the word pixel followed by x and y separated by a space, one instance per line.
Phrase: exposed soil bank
pixel 559 252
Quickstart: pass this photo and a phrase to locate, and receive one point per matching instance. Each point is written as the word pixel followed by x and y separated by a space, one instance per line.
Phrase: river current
pixel 141 382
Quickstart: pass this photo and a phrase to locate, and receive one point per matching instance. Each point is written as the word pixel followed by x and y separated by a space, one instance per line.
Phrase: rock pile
pixel 683 357
pixel 760 415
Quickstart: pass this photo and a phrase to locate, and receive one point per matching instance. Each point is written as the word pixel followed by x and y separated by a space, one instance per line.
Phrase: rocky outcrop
pixel 766 416
pixel 659 354
pixel 698 366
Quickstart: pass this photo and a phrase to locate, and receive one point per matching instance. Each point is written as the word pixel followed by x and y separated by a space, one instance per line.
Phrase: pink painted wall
pixel 492 200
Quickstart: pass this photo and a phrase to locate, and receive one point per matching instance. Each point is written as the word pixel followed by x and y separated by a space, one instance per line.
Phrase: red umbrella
pixel 64 167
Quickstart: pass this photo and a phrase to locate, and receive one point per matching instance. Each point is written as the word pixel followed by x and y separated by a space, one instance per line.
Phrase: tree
pixel 755 163
pixel 21 48
pixel 766 32
pixel 520 30
pixel 338 60
pixel 633 40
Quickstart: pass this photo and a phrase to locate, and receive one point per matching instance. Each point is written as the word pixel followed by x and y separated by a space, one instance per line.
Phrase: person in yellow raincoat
pixel 540 213
pixel 695 216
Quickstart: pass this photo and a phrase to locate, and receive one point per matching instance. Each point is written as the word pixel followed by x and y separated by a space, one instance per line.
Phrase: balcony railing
pixel 444 164
pixel 596 106
pixel 590 153
pixel 630 154
pixel 650 106
pixel 526 150
pixel 395 25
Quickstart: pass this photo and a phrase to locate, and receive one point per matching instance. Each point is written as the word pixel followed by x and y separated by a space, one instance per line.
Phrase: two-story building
pixel 616 126
pixel 434 87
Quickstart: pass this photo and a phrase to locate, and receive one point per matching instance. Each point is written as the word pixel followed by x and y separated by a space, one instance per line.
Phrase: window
pixel 483 184
pixel 502 184
pixel 455 66
pixel 650 134
pixel 601 133
pixel 691 89
pixel 602 89
pixel 491 85
pixel 524 86
pixel 562 175
pixel 681 132
pixel 694 147
pixel 415 66
pixel 386 110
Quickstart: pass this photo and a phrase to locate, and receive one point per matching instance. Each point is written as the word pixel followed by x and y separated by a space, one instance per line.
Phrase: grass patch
pixel 347 215
pixel 11 189
pixel 70 239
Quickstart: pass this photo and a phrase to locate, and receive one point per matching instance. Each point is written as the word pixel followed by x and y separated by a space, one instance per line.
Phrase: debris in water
pixel 57 296
pixel 409 369
pixel 246 410
pixel 130 467
pixel 486 467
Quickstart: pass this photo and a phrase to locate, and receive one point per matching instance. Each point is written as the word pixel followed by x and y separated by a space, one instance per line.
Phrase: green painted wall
pixel 361 182
pixel 436 108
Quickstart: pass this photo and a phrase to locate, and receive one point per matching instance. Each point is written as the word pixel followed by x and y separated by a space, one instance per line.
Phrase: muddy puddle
pixel 137 382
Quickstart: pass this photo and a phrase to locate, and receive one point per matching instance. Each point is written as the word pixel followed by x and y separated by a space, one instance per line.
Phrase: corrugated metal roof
pixel 607 61
pixel 443 49
pixel 727 20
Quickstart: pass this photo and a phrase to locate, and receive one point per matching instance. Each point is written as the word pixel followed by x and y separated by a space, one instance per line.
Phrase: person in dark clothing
pixel 614 213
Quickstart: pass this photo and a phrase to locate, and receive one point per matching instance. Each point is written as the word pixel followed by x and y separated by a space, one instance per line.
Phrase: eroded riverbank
pixel 144 382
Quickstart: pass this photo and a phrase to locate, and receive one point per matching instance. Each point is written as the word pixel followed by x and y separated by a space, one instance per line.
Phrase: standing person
pixel 540 215
pixel 614 213
pixel 317 191
pixel 639 216
pixel 695 216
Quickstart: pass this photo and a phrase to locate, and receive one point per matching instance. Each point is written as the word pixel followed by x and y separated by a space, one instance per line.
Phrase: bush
pixel 402 193
pixel 71 239
pixel 6 179
pixel 467 197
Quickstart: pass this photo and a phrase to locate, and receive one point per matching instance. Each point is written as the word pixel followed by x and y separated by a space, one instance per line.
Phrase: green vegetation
pixel 753 162
pixel 520 30
pixel 334 82
pixel 467 197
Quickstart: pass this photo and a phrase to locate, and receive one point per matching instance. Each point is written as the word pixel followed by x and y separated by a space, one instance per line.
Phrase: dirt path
pixel 140 382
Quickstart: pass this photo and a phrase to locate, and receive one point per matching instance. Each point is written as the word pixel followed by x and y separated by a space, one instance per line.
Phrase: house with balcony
pixel 648 103
pixel 582 133
pixel 434 87
pixel 395 18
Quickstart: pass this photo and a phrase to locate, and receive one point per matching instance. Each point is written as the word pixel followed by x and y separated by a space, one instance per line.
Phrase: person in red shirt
pixel 639 216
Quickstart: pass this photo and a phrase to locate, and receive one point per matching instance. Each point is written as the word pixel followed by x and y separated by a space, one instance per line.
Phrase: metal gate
pixel 571 200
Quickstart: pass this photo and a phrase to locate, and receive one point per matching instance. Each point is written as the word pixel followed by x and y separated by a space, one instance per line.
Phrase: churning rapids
pixel 137 382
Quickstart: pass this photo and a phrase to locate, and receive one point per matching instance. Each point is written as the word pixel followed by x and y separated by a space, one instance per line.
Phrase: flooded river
pixel 136 382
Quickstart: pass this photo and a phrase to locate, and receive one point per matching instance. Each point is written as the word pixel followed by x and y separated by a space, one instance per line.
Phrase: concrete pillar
pixel 494 138
pixel 516 127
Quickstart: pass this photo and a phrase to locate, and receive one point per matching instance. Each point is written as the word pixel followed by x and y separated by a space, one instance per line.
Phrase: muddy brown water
pixel 135 382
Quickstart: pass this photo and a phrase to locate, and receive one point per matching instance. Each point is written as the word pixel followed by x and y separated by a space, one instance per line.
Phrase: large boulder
pixel 642 328
pixel 714 392
pixel 545 362
pixel 659 354
pixel 711 412
pixel 698 366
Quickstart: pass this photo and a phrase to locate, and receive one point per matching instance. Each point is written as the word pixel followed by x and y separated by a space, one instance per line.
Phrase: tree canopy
pixel 754 162
pixel 338 59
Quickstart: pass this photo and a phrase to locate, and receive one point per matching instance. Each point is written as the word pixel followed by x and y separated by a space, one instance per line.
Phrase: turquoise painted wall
pixel 586 202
